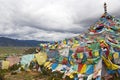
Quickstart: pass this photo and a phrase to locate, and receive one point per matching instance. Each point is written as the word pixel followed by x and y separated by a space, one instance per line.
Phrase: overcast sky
pixel 51 19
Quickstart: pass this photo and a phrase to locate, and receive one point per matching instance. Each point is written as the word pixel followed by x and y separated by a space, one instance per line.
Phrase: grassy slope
pixel 5 51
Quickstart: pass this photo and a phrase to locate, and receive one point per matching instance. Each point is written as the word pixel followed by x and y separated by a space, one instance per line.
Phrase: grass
pixel 31 75
pixel 6 74
pixel 6 51
pixel 46 75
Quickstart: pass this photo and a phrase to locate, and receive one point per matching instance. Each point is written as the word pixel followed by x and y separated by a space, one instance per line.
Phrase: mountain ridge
pixel 9 42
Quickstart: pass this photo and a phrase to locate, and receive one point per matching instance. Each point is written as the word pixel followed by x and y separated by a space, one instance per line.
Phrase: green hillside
pixel 6 51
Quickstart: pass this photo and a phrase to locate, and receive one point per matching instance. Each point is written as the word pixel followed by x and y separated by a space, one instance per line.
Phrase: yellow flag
pixel 116 55
pixel 96 53
pixel 71 76
pixel 75 45
pixel 109 64
pixel 83 70
pixel 49 66
pixel 64 41
pixel 5 64
pixel 41 58
pixel 46 64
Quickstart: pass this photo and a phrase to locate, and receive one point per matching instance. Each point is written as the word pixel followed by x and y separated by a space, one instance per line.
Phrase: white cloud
pixel 50 19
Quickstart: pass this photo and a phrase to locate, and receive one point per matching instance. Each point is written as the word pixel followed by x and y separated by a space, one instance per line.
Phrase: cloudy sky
pixel 50 19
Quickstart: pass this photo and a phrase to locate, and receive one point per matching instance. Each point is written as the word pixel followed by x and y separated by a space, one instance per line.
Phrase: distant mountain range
pixel 8 42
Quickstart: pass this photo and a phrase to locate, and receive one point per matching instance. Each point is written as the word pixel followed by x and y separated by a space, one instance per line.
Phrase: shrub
pixel 2 74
